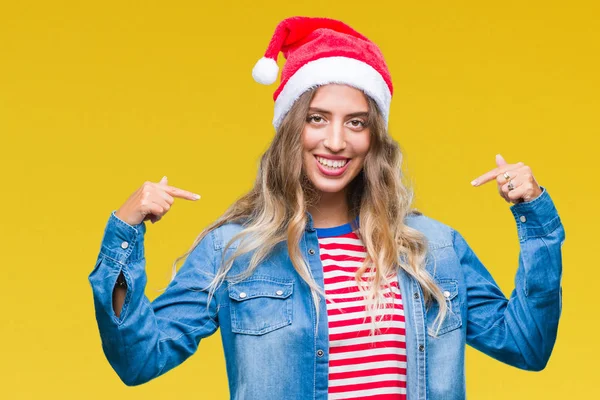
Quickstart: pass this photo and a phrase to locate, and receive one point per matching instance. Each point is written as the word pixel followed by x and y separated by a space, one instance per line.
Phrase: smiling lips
pixel 331 167
pixel 331 163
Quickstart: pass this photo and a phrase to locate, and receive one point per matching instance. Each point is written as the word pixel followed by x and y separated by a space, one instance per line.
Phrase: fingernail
pixel 474 183
pixel 196 196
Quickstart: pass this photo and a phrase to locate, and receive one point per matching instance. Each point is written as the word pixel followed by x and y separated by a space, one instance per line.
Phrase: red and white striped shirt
pixel 361 366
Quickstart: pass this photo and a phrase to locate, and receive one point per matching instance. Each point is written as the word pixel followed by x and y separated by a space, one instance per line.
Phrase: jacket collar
pixel 309 222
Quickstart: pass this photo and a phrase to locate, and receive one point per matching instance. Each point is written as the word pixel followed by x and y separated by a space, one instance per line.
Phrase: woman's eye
pixel 356 123
pixel 315 118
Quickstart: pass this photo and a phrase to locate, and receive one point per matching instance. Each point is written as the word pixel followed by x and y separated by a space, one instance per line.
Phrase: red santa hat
pixel 319 51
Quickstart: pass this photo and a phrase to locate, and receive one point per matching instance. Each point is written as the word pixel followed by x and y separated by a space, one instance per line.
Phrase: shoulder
pixel 223 234
pixel 443 254
pixel 438 234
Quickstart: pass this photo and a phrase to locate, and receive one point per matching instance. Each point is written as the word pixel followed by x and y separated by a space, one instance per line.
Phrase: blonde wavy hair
pixel 274 210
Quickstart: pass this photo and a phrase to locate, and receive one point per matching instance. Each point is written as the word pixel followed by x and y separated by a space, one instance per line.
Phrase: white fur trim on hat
pixel 265 71
pixel 326 70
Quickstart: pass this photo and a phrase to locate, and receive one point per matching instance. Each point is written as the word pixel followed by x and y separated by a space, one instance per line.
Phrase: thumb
pixel 500 160
pixel 163 181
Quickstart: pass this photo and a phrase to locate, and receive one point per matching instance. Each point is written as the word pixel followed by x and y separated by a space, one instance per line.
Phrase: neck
pixel 332 210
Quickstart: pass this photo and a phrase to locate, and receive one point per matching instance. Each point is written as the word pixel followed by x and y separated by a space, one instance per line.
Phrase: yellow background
pixel 97 97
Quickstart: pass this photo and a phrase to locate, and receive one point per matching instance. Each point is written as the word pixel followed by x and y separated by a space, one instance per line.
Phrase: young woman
pixel 323 281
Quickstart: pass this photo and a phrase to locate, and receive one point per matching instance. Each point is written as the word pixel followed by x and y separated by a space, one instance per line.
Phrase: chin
pixel 331 185
pixel 327 187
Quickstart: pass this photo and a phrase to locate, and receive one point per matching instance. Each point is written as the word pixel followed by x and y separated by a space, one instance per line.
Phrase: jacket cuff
pixel 537 217
pixel 122 242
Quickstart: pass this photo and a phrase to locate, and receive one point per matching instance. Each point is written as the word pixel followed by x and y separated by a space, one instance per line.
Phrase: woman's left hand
pixel 524 186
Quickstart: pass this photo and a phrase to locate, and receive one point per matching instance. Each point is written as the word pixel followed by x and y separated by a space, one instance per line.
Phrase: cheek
pixel 361 144
pixel 310 138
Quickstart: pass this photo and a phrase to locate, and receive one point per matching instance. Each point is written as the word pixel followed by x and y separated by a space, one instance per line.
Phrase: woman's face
pixel 335 137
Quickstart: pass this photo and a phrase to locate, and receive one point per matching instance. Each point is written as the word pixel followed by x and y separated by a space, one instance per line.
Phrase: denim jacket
pixel 273 344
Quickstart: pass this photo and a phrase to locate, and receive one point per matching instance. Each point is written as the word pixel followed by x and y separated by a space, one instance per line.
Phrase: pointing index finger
pixel 180 193
pixel 488 176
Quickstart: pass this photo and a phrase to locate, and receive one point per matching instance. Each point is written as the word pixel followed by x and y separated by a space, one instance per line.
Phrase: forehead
pixel 335 97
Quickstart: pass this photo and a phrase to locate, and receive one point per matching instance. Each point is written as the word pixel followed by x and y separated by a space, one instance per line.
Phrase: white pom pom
pixel 265 71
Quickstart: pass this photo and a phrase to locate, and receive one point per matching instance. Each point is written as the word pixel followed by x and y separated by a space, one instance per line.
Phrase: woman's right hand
pixel 151 201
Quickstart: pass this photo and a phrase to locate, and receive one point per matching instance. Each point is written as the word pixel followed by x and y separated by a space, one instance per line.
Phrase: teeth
pixel 331 163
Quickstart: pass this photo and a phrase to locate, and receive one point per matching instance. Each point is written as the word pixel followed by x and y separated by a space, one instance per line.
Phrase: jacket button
pixel 279 292
pixel 311 252
pixel 421 347
pixel 243 295
pixel 523 218
pixel 416 295
pixel 446 294
pixel 320 353
pixel 124 245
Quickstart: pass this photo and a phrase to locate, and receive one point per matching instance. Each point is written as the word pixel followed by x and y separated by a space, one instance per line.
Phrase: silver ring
pixel 510 186
pixel 506 176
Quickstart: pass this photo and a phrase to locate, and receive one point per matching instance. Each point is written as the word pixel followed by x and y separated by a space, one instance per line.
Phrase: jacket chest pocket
pixel 453 319
pixel 260 305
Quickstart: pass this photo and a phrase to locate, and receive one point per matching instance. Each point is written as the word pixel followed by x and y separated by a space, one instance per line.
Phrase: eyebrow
pixel 351 115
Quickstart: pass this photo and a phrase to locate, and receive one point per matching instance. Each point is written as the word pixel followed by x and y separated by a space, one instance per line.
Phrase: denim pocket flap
pixel 449 288
pixel 250 289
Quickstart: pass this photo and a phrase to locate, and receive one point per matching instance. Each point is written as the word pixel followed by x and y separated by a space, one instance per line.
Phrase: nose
pixel 335 137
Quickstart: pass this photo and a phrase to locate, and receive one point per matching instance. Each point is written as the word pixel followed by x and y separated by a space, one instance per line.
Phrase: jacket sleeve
pixel 519 331
pixel 150 338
